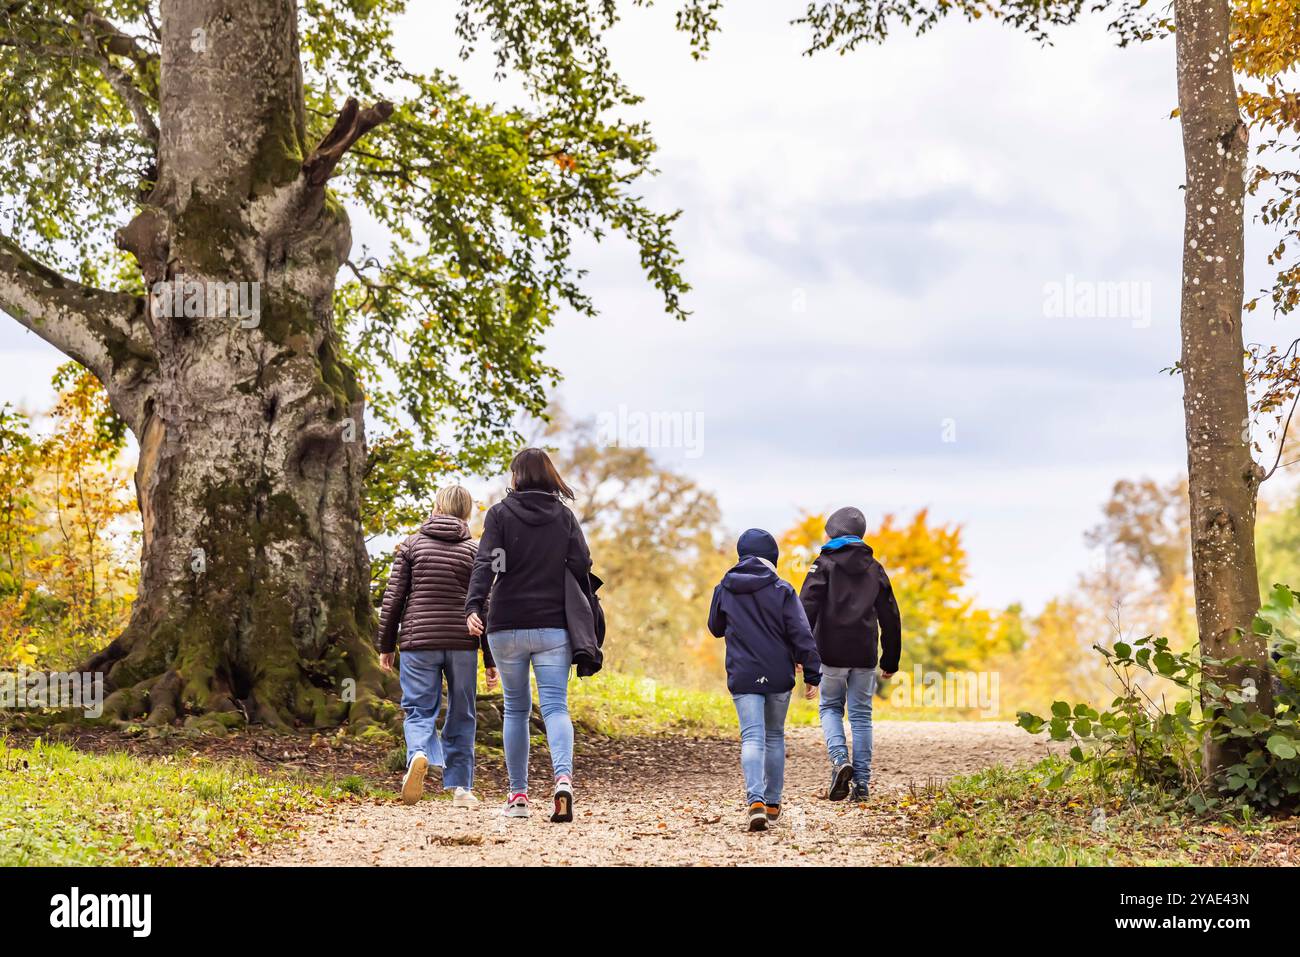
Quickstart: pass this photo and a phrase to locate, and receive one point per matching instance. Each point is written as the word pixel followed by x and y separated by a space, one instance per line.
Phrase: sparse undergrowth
pixel 61 806
pixel 1007 816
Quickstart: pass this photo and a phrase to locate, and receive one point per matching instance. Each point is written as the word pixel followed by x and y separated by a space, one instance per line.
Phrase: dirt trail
pixel 670 801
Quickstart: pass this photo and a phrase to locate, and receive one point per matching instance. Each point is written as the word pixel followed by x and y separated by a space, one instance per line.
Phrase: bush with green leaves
pixel 1169 703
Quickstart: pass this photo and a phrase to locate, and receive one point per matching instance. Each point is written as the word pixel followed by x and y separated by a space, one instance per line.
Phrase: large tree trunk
pixel 253 600
pixel 1223 479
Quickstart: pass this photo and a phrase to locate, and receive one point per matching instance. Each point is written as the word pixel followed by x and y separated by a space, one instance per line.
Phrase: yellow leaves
pixel 68 524
pixel 1266 37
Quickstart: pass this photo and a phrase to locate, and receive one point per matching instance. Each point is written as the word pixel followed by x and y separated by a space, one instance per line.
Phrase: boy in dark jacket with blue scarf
pixel 767 633
pixel 851 608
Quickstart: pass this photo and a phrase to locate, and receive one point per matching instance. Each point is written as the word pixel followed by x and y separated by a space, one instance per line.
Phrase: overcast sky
pixel 871 240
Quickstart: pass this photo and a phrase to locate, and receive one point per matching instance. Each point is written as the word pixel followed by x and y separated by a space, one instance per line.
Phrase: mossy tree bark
pixel 253 601
pixel 1223 478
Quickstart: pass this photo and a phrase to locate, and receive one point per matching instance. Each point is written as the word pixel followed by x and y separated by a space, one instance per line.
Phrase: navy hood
pixel 534 508
pixel 748 576
pixel 755 542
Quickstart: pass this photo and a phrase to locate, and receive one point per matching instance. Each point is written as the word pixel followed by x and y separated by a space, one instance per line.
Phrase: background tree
pixel 219 141
pixel 69 528
pixel 1142 582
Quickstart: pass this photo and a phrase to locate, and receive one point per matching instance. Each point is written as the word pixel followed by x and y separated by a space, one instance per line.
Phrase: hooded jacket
pixel 763 623
pixel 849 600
pixel 424 603
pixel 530 542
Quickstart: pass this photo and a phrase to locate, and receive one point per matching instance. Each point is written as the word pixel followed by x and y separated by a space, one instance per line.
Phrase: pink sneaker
pixel 516 806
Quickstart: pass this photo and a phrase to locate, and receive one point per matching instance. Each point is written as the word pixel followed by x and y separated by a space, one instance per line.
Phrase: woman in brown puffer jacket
pixel 423 615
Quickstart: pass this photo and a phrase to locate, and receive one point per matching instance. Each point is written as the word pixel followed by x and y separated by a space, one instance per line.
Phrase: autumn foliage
pixel 68 528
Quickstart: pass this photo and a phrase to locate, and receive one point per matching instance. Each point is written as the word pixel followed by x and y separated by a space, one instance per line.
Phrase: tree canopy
pixel 483 202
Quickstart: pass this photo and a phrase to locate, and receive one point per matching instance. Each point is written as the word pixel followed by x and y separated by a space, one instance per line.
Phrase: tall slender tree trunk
pixel 1223 479
pixel 253 600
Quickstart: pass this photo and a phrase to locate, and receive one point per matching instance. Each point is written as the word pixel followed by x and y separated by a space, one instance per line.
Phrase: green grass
pixel 60 806
pixel 623 705
pixel 1006 817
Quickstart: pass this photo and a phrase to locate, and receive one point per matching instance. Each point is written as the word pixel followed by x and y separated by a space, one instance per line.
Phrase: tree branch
pixel 104 331
pixel 352 124
pixel 119 79
pixel 123 44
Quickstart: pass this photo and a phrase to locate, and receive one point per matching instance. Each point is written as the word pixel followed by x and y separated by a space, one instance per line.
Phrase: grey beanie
pixel 846 521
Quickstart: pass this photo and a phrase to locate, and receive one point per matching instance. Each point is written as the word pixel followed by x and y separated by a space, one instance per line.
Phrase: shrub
pixel 1170 703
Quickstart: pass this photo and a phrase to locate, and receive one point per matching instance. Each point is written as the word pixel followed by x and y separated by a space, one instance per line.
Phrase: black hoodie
pixel 531 540
pixel 849 601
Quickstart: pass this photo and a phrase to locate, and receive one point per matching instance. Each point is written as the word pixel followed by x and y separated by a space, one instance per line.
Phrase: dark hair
pixel 533 471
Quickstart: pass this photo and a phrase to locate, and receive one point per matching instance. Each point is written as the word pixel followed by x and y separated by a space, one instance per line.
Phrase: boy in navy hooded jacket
pixel 767 634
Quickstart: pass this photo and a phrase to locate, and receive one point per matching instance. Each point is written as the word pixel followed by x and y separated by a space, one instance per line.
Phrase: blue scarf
pixel 840 541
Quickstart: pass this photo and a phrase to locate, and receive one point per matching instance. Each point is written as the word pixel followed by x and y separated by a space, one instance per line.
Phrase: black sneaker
pixel 758 816
pixel 841 780
pixel 860 793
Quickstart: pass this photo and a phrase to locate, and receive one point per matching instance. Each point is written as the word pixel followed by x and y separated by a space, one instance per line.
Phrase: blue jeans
pixel 856 686
pixel 421 675
pixel 547 649
pixel 762 744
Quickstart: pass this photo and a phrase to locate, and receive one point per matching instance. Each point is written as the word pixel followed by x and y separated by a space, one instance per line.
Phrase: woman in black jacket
pixel 531 542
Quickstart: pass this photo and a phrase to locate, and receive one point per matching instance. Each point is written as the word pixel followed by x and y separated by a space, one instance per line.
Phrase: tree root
pixel 158 680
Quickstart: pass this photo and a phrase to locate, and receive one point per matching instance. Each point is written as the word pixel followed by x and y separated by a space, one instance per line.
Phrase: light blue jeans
pixel 421 675
pixel 547 649
pixel 854 687
pixel 762 744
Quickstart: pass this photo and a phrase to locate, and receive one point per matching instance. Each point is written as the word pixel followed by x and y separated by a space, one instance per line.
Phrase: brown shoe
pixel 758 816
pixel 773 813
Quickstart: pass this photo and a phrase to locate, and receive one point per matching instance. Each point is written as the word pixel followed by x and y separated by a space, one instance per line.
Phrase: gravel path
pixel 670 801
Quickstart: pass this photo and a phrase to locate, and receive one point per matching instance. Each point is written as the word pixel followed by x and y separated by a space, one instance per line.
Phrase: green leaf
pixel 1060 709
pixel 1030 722
pixel 1282 746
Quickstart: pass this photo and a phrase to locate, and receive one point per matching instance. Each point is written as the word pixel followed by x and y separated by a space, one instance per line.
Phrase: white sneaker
pixel 413 783
pixel 563 802
pixel 464 797
pixel 517 806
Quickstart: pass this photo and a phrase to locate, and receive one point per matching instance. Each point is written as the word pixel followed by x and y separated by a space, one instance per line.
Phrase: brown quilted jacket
pixel 424 603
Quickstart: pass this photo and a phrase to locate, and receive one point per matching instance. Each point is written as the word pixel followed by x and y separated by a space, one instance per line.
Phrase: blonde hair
pixel 453 500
